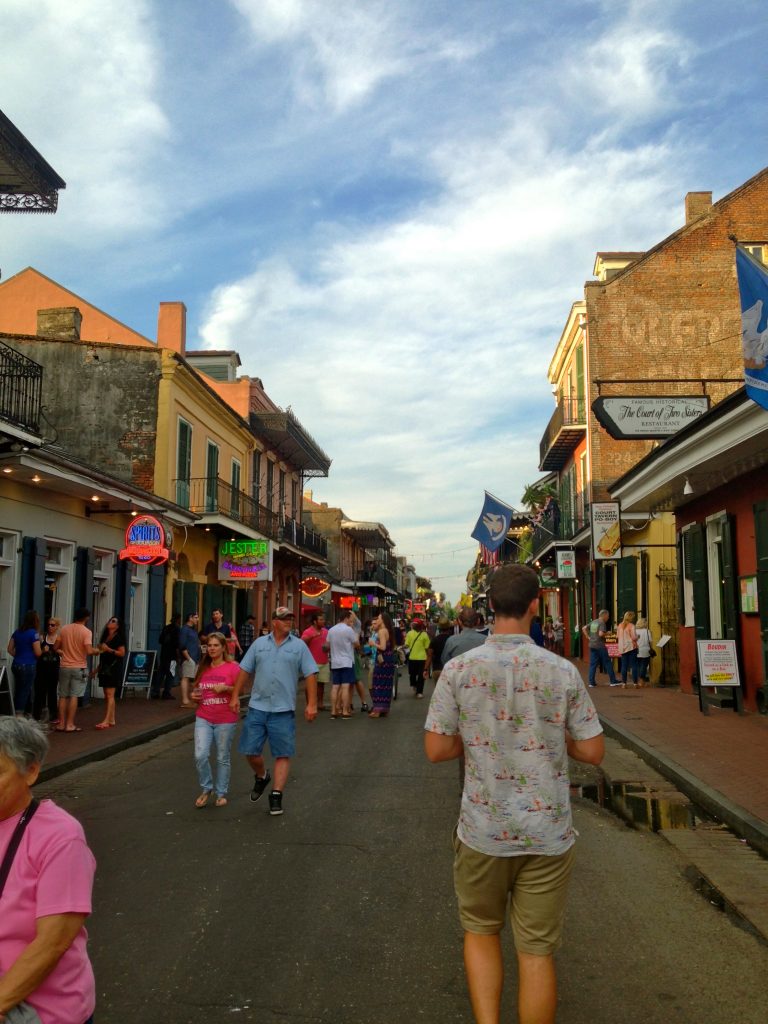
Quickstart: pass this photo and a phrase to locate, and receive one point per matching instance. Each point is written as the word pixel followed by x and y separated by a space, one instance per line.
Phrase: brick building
pixel 664 323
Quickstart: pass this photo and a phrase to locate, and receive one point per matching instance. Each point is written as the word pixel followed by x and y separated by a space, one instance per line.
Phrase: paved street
pixel 342 910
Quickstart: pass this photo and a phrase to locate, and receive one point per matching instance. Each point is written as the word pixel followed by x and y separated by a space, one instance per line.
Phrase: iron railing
pixel 568 525
pixel 300 536
pixel 213 496
pixel 377 574
pixel 21 389
pixel 569 413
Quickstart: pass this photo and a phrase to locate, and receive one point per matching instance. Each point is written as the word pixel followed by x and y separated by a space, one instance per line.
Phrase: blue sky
pixel 387 208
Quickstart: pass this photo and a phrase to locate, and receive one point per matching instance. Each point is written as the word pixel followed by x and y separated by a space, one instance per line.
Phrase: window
pixel 282 492
pixel 295 506
pixel 270 497
pixel 212 478
pixel 183 462
pixel 757 249
pixel 256 481
pixel 235 497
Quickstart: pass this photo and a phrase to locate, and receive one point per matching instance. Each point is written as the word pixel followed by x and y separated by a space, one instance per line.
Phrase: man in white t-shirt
pixel 343 641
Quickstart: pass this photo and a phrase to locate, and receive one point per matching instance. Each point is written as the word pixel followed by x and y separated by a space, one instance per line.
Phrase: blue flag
pixel 491 528
pixel 753 289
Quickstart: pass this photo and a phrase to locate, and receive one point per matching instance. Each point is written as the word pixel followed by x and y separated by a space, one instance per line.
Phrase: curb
pixel 739 820
pixel 102 753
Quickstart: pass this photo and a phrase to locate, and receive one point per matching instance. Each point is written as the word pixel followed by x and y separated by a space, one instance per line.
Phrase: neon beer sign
pixel 146 542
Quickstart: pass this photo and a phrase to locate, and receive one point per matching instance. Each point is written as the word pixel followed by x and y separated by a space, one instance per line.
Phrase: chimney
pixel 696 205
pixel 61 324
pixel 172 326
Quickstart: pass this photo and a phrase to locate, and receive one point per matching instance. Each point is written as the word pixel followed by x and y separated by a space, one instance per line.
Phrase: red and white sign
pixel 147 541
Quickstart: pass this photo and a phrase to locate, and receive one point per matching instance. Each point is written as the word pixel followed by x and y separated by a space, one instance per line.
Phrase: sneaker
pixel 364 707
pixel 275 802
pixel 593 684
pixel 259 785
pixel 617 684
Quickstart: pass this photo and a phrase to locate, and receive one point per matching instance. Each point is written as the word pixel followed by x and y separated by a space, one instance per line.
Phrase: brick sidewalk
pixel 138 720
pixel 727 752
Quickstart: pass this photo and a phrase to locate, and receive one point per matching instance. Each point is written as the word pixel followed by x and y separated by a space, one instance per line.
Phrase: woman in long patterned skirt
pixel 385 665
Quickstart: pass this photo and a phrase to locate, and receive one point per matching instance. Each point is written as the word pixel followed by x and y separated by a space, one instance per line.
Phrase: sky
pixel 386 208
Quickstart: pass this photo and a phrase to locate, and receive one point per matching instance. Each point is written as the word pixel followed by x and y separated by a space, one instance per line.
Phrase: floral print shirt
pixel 512 702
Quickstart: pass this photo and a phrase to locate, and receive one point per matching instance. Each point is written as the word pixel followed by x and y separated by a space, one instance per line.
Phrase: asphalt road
pixel 342 909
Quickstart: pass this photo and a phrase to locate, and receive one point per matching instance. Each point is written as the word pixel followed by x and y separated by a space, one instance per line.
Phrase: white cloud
pixel 341 50
pixel 417 350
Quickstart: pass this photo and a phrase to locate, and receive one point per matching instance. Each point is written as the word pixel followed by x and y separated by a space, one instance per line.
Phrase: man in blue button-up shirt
pixel 274 664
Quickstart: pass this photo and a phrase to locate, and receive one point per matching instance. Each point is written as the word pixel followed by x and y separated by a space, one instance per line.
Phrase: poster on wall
pixel 606 530
pixel 718 665
pixel 566 564
pixel 245 559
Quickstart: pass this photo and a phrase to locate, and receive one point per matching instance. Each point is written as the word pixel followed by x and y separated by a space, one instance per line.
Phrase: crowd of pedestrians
pixel 481 679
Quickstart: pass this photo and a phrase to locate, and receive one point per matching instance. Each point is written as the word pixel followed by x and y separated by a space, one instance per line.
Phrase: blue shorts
pixel 343 676
pixel 279 727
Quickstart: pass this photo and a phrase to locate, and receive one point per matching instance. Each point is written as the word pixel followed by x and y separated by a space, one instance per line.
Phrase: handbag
pixel 22 1013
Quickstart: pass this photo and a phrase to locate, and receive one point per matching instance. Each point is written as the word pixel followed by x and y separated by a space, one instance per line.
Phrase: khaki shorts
pixel 533 886
pixel 188 669
pixel 324 673
pixel 72 682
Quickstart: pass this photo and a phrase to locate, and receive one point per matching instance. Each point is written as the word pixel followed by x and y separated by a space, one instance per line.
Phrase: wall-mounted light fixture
pixel 688 489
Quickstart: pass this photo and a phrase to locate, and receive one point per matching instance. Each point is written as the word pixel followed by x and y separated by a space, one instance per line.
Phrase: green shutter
pixel 580 383
pixel 696 559
pixel 682 575
pixel 730 580
pixel 627 586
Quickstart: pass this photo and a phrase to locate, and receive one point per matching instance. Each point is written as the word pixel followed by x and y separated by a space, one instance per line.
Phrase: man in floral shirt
pixel 515 711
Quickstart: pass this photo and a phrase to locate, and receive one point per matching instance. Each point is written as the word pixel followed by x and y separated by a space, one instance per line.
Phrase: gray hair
pixel 23 742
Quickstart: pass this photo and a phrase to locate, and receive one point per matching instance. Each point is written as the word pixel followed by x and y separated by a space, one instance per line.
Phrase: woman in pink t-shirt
pixel 214 683
pixel 46 897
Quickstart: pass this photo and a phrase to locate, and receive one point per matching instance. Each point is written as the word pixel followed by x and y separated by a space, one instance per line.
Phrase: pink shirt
pixel 75 641
pixel 314 639
pixel 214 707
pixel 52 873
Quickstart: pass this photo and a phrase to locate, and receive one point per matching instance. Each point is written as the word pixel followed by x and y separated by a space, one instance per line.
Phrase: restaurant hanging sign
pixel 245 559
pixel 646 417
pixel 147 541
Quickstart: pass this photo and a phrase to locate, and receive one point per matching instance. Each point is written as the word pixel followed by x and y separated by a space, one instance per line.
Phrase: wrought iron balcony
pixel 563 528
pixel 567 426
pixel 300 536
pixel 212 496
pixel 373 573
pixel 21 388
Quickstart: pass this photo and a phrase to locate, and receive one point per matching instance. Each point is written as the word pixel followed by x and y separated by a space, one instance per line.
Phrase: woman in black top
pixel 47 673
pixel 111 654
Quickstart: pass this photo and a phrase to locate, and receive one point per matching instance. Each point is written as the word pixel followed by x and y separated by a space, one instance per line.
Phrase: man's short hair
pixel 81 614
pixel 512 589
pixel 467 618
pixel 603 611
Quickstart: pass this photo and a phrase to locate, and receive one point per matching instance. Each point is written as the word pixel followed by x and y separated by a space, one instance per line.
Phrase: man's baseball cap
pixel 282 612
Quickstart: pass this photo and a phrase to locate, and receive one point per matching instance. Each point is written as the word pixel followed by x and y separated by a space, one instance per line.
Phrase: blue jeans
pixel 205 733
pixel 599 656
pixel 629 664
pixel 24 679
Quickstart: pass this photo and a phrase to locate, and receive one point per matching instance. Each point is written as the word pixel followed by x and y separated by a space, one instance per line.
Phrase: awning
pixel 291 441
pixel 28 184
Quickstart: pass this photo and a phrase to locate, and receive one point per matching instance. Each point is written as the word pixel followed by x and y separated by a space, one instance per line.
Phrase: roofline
pixel 79 298
pixel 714 209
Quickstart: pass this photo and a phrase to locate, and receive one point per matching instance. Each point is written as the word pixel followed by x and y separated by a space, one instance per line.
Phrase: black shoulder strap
pixel 13 845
